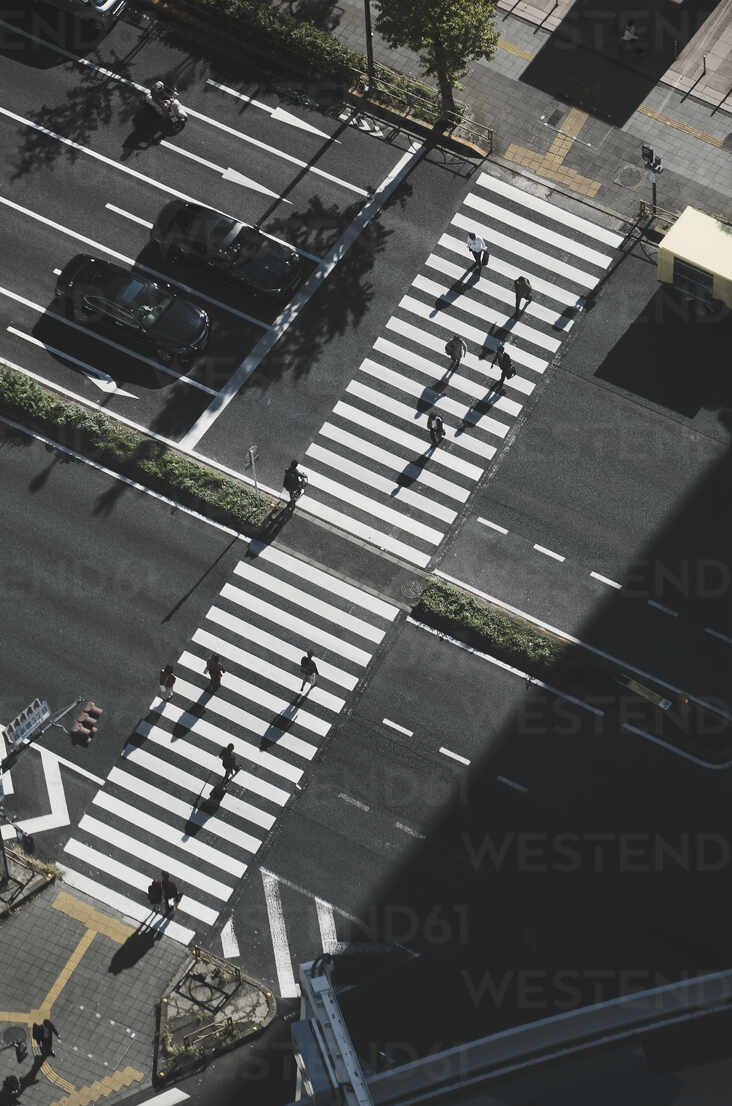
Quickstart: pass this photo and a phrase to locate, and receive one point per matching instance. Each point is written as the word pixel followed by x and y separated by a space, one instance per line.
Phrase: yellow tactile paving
pixel 100 1088
pixel 669 122
pixel 65 974
pixel 511 49
pixel 92 918
pixel 550 164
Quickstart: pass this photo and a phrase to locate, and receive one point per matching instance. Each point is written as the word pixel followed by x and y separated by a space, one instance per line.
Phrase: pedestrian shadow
pixel 275 522
pixel 431 394
pixel 139 943
pixel 470 276
pixel 194 711
pixel 476 411
pixel 566 317
pixel 280 724
pixel 201 813
pixel 412 471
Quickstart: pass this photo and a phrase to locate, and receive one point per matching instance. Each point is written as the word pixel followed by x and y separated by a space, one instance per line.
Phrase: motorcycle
pixel 165 103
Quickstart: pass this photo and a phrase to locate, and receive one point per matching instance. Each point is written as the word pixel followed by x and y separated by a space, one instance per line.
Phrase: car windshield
pixel 250 243
pixel 224 236
pixel 147 300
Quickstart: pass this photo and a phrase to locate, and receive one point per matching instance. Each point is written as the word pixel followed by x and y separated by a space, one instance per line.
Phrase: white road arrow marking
pixel 279 115
pixel 103 380
pixel 59 815
pixel 227 174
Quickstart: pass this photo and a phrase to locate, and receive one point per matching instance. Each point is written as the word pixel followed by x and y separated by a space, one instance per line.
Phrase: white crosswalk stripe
pixel 372 467
pixel 163 807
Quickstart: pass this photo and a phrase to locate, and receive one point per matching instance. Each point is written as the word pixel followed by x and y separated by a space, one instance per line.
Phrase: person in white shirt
pixel 478 249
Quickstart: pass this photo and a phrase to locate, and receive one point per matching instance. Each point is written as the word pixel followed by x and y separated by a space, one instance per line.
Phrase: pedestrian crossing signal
pixel 84 727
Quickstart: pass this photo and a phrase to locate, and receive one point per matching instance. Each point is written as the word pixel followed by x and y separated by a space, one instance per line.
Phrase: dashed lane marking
pixel 396 726
pixel 662 608
pixel 493 525
pixel 606 580
pixel 512 783
pixel 455 756
pixel 353 802
pixel 549 553
pixel 412 832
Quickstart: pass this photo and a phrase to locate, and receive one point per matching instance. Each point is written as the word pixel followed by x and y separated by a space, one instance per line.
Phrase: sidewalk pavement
pixel 571 104
pixel 98 981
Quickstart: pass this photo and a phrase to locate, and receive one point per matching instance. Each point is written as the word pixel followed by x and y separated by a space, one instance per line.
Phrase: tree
pixel 446 34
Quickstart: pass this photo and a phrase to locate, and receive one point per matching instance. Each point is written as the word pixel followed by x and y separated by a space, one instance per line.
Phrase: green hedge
pixel 131 453
pixel 488 628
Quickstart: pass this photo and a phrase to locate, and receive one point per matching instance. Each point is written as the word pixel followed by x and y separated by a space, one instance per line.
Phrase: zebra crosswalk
pixel 371 470
pixel 155 811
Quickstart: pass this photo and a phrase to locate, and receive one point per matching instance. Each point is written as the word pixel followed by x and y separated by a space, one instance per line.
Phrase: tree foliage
pixel 446 34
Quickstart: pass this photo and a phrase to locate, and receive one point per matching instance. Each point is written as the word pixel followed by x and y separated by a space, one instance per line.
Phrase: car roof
pixel 112 280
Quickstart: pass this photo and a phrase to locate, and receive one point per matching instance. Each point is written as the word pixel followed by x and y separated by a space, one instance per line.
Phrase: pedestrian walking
pixel 505 364
pixel 455 349
pixel 229 762
pixel 171 894
pixel 478 249
pixel 436 428
pixel 309 671
pixel 522 288
pixel 167 681
pixel 215 670
pixel 43 1035
pixel 155 894
pixel 294 482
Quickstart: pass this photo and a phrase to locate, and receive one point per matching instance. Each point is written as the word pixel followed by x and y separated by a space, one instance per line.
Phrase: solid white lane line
pixel 407 414
pixel 373 507
pixel 537 230
pixel 457 382
pixel 443 402
pixel 605 580
pixel 141 820
pixel 220 737
pixel 412 832
pixel 127 907
pixel 496 264
pixel 229 943
pixel 167 1098
pixel 397 727
pixel 455 325
pixel 270 672
pixel 283 650
pixel 408 467
pixel 716 633
pixel 248 571
pixel 227 174
pixel 128 215
pixel 454 756
pixel 211 763
pixel 158 797
pixel 170 772
pixel 486 314
pixel 132 262
pixel 154 858
pixel 528 253
pixel 285 620
pixel 366 532
pixel 354 802
pixel 101 378
pixel 497 291
pixel 416 445
pixel 714 708
pixel 138 880
pixel 660 607
pixel 105 341
pixel 380 483
pixel 326 923
pixel 549 553
pixel 543 207
pixel 305 571
pixel 289 313
pixel 259 726
pixel 493 525
pixel 280 945
pixel 512 784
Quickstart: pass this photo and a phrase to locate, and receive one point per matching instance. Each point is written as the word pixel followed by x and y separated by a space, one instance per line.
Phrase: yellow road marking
pixel 65 974
pixel 669 122
pixel 511 49
pixel 92 918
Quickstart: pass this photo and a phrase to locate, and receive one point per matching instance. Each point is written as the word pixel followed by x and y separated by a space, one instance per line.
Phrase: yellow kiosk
pixel 695 256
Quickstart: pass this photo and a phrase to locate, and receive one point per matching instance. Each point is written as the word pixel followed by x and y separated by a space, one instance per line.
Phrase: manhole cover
pixel 13 1034
pixel 630 176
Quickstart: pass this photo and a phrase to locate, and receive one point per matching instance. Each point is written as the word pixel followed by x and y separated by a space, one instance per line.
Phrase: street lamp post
pixel 654 164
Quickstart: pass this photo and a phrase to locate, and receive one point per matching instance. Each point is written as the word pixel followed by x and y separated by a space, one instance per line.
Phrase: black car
pixel 104 12
pixel 195 233
pixel 93 289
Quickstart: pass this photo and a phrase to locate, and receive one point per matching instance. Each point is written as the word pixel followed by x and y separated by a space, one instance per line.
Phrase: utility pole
pixel 252 454
pixel 369 46
pixel 654 164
